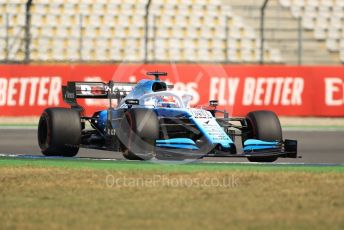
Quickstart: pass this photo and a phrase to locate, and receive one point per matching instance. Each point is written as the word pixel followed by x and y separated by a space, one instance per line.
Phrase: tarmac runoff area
pixel 320 141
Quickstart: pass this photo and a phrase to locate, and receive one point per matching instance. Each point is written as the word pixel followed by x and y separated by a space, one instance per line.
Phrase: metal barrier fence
pixel 277 28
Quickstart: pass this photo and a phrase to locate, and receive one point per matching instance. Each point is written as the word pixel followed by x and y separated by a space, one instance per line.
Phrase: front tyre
pixel 138 133
pixel 263 125
pixel 59 132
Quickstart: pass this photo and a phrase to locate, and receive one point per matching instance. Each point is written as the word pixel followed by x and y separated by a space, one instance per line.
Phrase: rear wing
pixel 101 90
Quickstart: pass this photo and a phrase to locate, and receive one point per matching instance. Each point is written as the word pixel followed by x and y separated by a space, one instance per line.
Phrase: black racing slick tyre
pixel 138 133
pixel 59 132
pixel 263 125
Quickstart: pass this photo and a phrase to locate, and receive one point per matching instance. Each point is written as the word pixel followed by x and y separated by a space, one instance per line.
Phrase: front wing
pixel 288 149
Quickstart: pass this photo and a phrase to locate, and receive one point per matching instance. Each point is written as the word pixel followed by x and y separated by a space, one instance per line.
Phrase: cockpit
pixel 166 99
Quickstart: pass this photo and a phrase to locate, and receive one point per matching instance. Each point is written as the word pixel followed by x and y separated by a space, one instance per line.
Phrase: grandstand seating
pixel 324 17
pixel 180 30
pixel 12 21
pixel 113 30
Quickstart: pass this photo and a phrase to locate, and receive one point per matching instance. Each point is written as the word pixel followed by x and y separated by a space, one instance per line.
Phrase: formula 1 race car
pixel 151 121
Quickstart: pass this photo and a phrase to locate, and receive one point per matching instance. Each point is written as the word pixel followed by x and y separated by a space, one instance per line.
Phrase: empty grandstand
pixel 228 31
pixel 325 18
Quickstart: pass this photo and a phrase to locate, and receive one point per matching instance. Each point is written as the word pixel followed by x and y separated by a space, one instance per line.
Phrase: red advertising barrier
pixel 25 90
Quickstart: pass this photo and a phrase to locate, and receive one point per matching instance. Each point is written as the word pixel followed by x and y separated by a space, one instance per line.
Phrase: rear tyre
pixel 263 125
pixel 138 133
pixel 59 132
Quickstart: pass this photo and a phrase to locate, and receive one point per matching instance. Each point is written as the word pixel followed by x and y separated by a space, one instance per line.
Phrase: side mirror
pixel 213 103
pixel 132 102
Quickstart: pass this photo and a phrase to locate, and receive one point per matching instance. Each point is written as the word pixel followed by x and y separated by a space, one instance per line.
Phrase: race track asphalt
pixel 315 146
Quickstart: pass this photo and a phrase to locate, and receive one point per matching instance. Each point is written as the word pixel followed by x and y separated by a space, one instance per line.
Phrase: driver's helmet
pixel 166 102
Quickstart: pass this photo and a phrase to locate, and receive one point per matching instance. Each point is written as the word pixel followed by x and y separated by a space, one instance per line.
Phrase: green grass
pixel 87 194
pixel 174 166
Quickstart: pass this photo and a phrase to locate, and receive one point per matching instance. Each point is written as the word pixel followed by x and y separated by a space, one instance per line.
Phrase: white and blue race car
pixel 151 121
